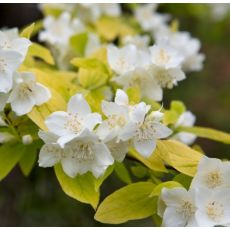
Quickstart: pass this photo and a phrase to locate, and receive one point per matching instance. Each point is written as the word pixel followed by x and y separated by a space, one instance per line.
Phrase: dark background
pixel 39 201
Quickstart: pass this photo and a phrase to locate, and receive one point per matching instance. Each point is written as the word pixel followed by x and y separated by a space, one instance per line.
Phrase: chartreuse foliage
pixel 131 202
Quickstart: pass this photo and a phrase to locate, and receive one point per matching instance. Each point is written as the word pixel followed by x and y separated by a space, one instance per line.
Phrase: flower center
pixel 163 58
pixel 82 152
pixel 115 120
pixel 5 45
pixel 214 179
pixel 3 65
pixel 24 91
pixel 74 123
pixel 215 210
pixel 146 130
pixel 164 79
pixel 187 209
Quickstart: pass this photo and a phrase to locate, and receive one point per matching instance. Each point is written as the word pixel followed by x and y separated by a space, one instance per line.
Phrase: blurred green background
pixel 39 201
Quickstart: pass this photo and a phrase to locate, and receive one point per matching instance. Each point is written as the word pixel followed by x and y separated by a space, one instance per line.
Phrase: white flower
pixel 219 11
pixel 148 129
pixel 213 207
pixel 118 149
pixel 144 80
pixel 10 40
pixel 3 100
pixel 70 124
pixel 166 65
pixel 82 154
pixel 9 62
pixel 27 93
pixel 118 122
pixel 58 31
pixel 149 19
pixel 140 41
pixel 212 173
pixel 186 119
pixel 187 46
pixel 110 9
pixel 180 207
pixel 122 60
pixel 93 43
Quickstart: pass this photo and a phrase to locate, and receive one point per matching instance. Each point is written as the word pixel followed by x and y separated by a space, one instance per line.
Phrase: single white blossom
pixel 122 60
pixel 148 129
pixel 10 40
pixel 213 207
pixel 82 154
pixel 166 65
pixel 58 31
pixel 187 46
pixel 118 124
pixel 27 139
pixel 27 93
pixel 180 207
pixel 149 19
pixel 186 119
pixel 212 173
pixel 71 124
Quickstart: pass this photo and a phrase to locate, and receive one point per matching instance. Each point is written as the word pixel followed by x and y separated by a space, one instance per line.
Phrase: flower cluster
pixel 20 89
pixel 205 204
pixel 82 141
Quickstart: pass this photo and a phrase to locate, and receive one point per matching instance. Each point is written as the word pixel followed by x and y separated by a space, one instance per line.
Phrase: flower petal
pixel 145 147
pixel 78 105
pixel 50 154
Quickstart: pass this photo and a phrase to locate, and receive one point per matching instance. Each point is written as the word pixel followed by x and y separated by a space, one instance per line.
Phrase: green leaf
pixel 110 27
pixel 134 95
pixel 183 179
pixel 27 32
pixel 170 117
pixel 139 171
pixel 78 43
pixel 154 162
pixel 178 107
pixel 207 133
pixel 123 173
pixel 169 184
pixel 41 52
pixel 81 188
pixel 131 202
pixel 10 154
pixel 179 156
pixel 92 73
pixel 29 158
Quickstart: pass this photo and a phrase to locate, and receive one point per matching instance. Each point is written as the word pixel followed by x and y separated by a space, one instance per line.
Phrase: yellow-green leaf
pixel 81 188
pixel 179 156
pixel 131 202
pixel 78 43
pixel 27 32
pixel 41 52
pixel 208 133
pixel 183 180
pixel 154 162
pixel 110 28
pixel 29 158
pixel 169 184
pixel 122 172
pixel 10 154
